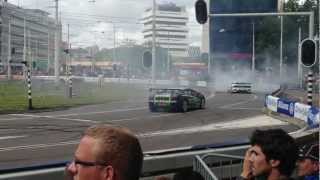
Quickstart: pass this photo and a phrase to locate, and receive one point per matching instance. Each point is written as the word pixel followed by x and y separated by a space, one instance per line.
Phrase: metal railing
pixel 214 166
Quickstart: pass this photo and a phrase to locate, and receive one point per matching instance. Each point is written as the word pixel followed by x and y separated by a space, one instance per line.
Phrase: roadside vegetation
pixel 45 94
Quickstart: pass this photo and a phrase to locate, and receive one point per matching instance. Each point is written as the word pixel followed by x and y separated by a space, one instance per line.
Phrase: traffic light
pixel 34 64
pixel 308 52
pixel 147 59
pixel 201 11
pixel 66 51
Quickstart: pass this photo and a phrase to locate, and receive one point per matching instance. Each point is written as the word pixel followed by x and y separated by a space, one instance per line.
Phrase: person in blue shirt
pixel 308 162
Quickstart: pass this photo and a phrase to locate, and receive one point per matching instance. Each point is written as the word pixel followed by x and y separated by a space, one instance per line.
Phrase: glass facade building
pixel 231 37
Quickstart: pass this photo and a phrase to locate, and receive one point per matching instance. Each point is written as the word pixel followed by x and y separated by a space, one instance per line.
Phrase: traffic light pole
pixel 153 68
pixel 69 71
pixel 310 87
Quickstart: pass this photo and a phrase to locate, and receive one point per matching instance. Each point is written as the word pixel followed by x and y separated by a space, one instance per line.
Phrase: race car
pixel 241 87
pixel 175 99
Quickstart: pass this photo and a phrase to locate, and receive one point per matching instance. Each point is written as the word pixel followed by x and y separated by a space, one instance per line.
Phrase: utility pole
pixel 114 43
pixel 299 60
pixel 153 69
pixel 57 45
pixel 24 45
pixel 48 62
pixel 253 51
pixel 168 54
pixel 281 49
pixel 9 50
pixel 69 70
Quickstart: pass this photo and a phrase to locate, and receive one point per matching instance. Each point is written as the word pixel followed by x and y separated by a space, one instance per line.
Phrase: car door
pixel 194 100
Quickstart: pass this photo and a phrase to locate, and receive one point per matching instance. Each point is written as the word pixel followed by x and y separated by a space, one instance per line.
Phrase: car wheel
pixel 184 106
pixel 202 103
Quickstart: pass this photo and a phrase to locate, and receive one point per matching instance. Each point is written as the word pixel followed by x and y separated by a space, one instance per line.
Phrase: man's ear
pixel 108 173
pixel 274 163
pixel 315 166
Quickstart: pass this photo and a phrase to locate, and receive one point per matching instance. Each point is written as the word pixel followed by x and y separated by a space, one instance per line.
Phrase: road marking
pixel 258 121
pixel 130 119
pixel 254 97
pixel 15 119
pixel 103 112
pixel 91 121
pixel 38 146
pixel 11 137
pixel 257 109
pixel 56 118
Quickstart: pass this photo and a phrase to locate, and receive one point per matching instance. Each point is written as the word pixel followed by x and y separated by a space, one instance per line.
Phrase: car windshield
pixel 185 76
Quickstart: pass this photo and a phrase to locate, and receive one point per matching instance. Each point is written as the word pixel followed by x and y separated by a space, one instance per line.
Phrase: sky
pixel 92 22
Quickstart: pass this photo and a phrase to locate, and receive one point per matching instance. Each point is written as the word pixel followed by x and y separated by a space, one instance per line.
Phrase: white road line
pixel 239 103
pixel 258 109
pixel 77 120
pixel 38 146
pixel 92 121
pixel 259 121
pixel 103 112
pixel 130 119
pixel 15 119
pixel 56 118
pixel 11 137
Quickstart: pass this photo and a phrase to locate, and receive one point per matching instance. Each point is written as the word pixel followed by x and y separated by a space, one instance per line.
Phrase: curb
pixel 285 118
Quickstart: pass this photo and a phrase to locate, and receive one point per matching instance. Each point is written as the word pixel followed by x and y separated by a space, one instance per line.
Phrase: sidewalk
pixel 300 96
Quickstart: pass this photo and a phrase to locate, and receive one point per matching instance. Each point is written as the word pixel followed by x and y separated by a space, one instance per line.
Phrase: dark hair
pixel 187 175
pixel 118 147
pixel 276 144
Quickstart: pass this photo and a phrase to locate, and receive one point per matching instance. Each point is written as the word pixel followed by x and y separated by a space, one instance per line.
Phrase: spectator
pixel 107 153
pixel 308 162
pixel 272 155
pixel 187 175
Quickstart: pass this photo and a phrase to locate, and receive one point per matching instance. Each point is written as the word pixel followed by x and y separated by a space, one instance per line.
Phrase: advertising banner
pixel 286 107
pixel 313 117
pixel 301 111
pixel 271 103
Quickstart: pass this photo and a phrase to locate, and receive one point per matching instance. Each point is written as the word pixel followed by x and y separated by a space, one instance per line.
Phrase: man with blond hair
pixel 106 153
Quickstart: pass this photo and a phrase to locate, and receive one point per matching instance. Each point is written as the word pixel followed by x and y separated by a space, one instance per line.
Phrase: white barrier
pixel 272 103
pixel 301 111
pixel 309 114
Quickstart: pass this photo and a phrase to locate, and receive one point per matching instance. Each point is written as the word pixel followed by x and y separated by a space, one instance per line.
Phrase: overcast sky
pixel 92 22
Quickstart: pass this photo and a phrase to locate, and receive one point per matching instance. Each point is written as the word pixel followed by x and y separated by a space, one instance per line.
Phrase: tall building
pixel 31 29
pixel 171 30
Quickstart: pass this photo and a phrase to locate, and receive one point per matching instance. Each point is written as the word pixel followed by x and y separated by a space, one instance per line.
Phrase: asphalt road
pixel 47 137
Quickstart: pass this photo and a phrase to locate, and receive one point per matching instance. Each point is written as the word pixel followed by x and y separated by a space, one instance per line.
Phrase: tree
pixel 291 6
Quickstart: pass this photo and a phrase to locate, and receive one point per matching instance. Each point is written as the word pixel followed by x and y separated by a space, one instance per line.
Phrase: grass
pixel 45 95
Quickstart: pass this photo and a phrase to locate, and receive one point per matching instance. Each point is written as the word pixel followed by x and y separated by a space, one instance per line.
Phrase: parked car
pixel 175 99
pixel 241 87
